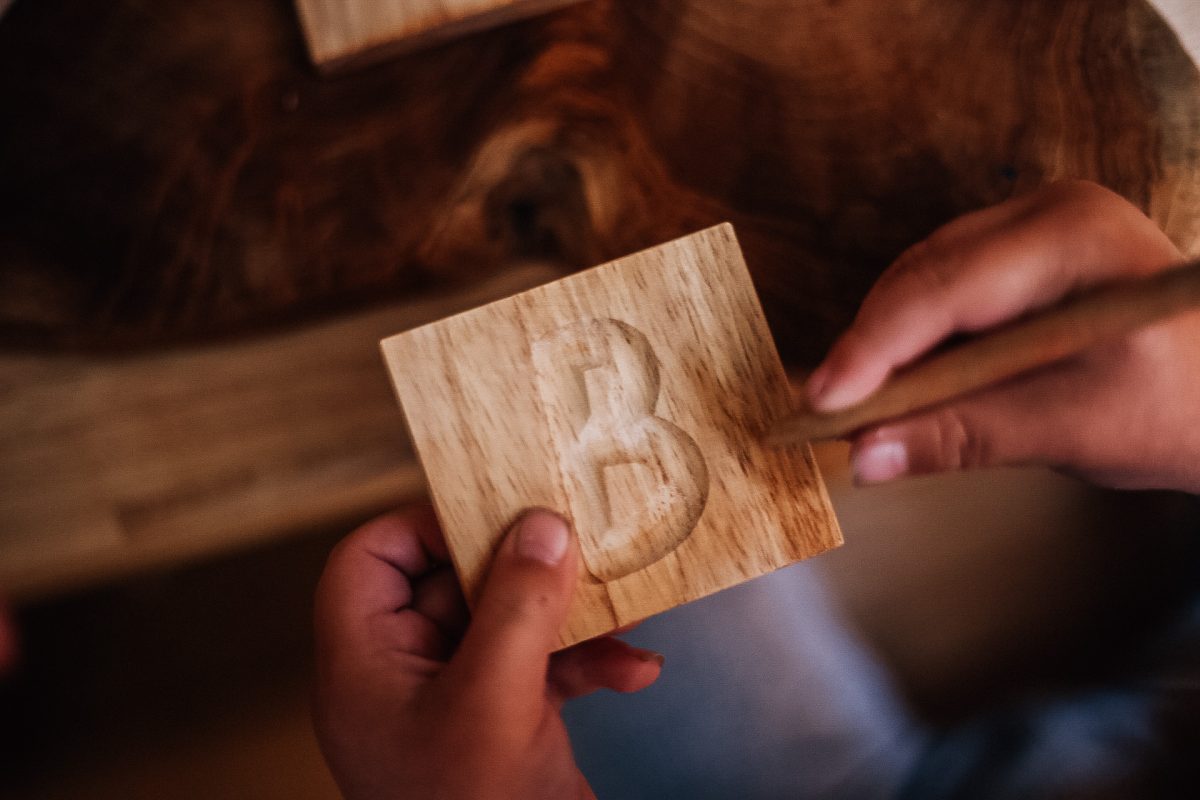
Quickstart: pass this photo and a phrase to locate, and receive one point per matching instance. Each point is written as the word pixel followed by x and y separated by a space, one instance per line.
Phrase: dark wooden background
pixel 175 171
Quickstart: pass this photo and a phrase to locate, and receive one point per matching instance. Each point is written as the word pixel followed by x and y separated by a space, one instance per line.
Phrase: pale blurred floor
pixel 1184 16
pixel 975 585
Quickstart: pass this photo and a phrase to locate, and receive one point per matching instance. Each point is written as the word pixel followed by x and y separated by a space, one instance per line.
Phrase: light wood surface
pixel 108 465
pixel 633 397
pixel 1073 326
pixel 345 32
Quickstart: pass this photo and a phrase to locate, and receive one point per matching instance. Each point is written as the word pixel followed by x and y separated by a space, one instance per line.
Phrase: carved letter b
pixel 637 483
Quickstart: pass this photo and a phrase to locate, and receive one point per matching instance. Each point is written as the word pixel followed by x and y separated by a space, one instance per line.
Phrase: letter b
pixel 637 482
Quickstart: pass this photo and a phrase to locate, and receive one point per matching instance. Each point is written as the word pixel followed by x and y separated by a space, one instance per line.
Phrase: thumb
pixel 523 604
pixel 1029 421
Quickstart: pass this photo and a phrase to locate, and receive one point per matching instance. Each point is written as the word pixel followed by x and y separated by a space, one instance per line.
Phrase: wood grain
pixel 633 397
pixel 341 33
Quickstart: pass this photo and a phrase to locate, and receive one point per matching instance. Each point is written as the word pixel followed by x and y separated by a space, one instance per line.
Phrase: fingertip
pixel 542 536
pixel 643 670
pixel 879 457
pixel 842 394
pixel 846 377
pixel 648 656
pixel 605 663
pixel 976 432
pixel 814 387
pixel 651 657
pixel 847 388
pixel 830 371
pixel 423 518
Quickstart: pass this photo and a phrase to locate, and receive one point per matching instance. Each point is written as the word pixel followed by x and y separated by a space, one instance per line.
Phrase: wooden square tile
pixel 342 32
pixel 631 397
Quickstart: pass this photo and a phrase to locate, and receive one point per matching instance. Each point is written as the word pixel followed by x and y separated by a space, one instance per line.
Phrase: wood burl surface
pixel 633 397
pixel 171 171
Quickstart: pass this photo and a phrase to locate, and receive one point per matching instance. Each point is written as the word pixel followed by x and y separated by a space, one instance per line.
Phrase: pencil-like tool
pixel 1079 322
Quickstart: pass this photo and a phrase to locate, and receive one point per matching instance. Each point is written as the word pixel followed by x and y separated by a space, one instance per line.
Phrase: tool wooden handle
pixel 1109 312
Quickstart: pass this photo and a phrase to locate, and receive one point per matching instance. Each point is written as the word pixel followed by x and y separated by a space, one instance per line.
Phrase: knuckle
pixel 362 538
pixel 923 276
pixel 915 259
pixel 1078 193
pixel 913 254
pixel 1152 352
pixel 929 266
pixel 959 445
pixel 1088 205
pixel 850 345
pixel 1146 345
pixel 368 537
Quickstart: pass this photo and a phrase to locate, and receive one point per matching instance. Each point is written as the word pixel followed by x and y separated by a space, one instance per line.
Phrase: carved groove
pixel 637 482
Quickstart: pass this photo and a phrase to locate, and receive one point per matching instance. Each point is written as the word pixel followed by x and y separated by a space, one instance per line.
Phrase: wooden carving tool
pixel 1079 322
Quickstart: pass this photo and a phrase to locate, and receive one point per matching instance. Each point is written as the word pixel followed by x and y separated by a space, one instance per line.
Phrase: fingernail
pixel 879 462
pixel 648 656
pixel 542 536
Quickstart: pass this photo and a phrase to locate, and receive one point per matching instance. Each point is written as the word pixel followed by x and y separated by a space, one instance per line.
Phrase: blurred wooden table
pixel 200 240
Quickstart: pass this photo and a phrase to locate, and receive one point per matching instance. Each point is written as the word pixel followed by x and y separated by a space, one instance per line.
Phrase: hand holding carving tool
pixel 1074 325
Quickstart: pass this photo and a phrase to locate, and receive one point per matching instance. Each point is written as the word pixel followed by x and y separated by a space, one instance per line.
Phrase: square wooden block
pixel 340 32
pixel 630 397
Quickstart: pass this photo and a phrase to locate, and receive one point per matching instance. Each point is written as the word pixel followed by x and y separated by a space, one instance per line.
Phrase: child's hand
pixel 1126 414
pixel 413 702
